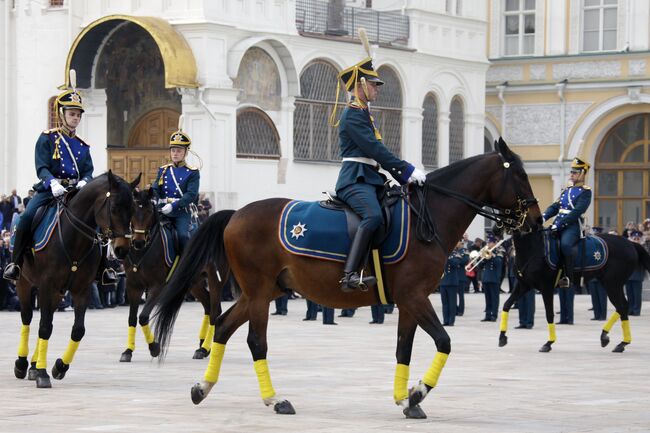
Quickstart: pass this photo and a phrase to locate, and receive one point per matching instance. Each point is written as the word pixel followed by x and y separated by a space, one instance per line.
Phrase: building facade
pixel 570 78
pixel 254 79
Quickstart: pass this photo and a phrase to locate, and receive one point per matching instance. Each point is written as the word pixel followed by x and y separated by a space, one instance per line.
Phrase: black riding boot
pixel 566 281
pixel 12 270
pixel 358 252
pixel 106 275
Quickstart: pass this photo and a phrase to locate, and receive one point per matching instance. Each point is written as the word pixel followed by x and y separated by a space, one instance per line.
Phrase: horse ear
pixel 503 149
pixel 135 182
pixel 109 175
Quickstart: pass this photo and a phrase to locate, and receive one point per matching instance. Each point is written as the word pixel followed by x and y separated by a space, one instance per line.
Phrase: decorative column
pixel 412 135
pixel 443 138
pixel 94 127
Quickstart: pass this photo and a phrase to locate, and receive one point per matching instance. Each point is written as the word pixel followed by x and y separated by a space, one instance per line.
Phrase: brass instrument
pixel 484 254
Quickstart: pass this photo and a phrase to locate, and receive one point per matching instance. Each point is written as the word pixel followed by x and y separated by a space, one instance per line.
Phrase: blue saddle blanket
pixel 43 232
pixel 169 249
pixel 592 253
pixel 308 229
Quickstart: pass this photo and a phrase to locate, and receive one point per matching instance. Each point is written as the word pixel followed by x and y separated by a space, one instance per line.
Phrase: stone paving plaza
pixel 339 378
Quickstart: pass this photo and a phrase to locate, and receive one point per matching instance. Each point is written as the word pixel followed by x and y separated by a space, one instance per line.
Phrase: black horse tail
pixel 205 246
pixel 644 257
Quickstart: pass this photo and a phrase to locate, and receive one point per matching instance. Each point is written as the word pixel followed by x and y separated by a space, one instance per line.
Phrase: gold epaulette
pixel 191 167
pixel 586 187
pixel 356 104
pixel 82 142
pixel 49 131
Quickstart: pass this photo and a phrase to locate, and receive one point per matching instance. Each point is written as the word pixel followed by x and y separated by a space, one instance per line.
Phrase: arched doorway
pixel 147 146
pixel 622 174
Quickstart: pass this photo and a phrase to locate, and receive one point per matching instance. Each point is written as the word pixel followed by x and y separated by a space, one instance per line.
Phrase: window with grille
pixel 519 26
pixel 313 137
pixel 387 109
pixel 430 132
pixel 456 130
pixel 51 113
pixel 599 25
pixel 257 136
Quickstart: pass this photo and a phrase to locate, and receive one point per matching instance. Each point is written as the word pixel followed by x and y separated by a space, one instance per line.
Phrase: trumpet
pixel 484 254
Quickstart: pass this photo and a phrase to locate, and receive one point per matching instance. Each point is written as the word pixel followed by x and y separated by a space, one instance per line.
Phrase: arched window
pixel 488 141
pixel 456 130
pixel 313 137
pixel 258 80
pixel 257 136
pixel 387 109
pixel 623 174
pixel 430 132
pixel 51 113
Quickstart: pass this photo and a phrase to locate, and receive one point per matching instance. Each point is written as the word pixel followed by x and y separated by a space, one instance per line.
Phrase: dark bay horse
pixel 69 262
pixel 146 269
pixel 264 270
pixel 535 273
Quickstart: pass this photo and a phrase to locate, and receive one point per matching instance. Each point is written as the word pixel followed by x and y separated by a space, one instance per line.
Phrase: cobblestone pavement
pixel 339 378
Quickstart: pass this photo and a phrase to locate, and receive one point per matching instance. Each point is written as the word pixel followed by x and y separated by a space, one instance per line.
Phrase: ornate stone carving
pixel 637 67
pixel 499 74
pixel 585 70
pixel 538 72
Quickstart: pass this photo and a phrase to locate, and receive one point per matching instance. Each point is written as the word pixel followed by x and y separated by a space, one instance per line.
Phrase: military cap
pixel 578 164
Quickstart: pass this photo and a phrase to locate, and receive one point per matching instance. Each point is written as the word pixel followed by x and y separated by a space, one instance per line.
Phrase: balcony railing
pixel 323 18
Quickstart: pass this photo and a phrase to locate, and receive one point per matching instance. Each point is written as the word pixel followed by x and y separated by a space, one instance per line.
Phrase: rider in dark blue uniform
pixel 62 160
pixel 176 187
pixel 363 154
pixel 569 208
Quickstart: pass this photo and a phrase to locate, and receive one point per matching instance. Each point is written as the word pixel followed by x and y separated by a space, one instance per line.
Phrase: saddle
pixel 592 253
pixel 387 201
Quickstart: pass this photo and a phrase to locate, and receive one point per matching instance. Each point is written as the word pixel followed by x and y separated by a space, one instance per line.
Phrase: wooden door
pixel 148 146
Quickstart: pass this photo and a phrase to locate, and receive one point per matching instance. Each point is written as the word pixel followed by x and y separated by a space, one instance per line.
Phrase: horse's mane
pixel 445 174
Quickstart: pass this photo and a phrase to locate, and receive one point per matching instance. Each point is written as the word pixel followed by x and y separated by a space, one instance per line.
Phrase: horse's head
pixel 510 191
pixel 113 209
pixel 143 219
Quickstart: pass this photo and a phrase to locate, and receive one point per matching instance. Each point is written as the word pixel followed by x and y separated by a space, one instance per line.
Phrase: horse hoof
pixel 604 339
pixel 43 379
pixel 284 408
pixel 545 348
pixel 417 394
pixel 60 369
pixel 620 347
pixel 197 393
pixel 200 353
pixel 20 367
pixel 33 372
pixel 126 355
pixel 503 339
pixel 415 412
pixel 154 349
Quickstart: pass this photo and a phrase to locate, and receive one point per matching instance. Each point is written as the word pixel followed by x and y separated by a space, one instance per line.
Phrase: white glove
pixel 81 184
pixel 57 188
pixel 167 209
pixel 418 176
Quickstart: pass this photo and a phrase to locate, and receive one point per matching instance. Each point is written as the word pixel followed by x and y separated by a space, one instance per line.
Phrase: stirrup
pixel 564 282
pixel 12 272
pixel 109 277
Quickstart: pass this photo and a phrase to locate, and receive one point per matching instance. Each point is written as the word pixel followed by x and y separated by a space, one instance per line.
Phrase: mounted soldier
pixel 176 188
pixel 569 208
pixel 360 183
pixel 62 160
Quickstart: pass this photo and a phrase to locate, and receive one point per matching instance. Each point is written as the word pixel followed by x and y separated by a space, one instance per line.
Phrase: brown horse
pixel 264 270
pixel 69 262
pixel 146 269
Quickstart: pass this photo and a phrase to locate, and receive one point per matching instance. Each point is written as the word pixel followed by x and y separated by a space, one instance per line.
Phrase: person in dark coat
pixel 449 284
pixel 363 154
pixel 491 266
pixel 634 286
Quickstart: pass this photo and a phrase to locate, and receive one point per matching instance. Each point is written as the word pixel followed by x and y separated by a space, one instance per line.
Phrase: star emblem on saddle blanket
pixel 298 230
pixel 597 256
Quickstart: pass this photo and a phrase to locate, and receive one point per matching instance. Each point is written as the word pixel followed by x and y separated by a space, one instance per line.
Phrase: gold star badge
pixel 298 230
pixel 75 97
pixel 178 137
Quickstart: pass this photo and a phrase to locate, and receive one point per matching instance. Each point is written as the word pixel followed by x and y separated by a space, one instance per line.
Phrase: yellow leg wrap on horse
pixel 23 345
pixel 130 340
pixel 207 343
pixel 42 353
pixel 504 321
pixel 627 335
pixel 214 365
pixel 551 332
pixel 68 355
pixel 264 378
pixel 433 373
pixel 148 335
pixel 608 326
pixel 204 327
pixel 35 354
pixel 400 388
